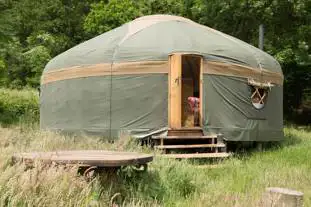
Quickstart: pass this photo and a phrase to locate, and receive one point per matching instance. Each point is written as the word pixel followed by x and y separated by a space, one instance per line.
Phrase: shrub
pixel 17 105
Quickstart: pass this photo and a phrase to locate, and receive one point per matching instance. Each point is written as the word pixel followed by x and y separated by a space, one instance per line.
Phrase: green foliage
pixel 41 38
pixel 42 30
pixel 106 16
pixel 6 22
pixel 3 70
pixel 35 59
pixel 177 7
pixel 2 65
pixel 16 106
pixel 12 55
pixel 57 17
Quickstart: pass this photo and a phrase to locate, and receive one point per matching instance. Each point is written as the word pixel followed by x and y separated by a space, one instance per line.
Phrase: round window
pixel 259 97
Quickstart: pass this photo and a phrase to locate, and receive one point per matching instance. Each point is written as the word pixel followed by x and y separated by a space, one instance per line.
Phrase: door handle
pixel 177 80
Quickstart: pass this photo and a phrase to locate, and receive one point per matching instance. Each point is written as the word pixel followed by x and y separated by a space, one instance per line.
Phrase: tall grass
pixel 239 181
pixel 18 106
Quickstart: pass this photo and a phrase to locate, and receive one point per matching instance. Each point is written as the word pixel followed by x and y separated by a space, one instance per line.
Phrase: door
pixel 175 84
pixel 185 80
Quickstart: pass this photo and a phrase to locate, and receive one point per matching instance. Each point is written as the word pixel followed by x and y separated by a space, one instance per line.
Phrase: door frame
pixel 170 120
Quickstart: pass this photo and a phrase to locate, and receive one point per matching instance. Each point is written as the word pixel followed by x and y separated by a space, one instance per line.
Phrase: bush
pixel 18 105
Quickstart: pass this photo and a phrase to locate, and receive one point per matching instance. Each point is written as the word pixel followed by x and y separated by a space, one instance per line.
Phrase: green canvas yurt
pixel 135 79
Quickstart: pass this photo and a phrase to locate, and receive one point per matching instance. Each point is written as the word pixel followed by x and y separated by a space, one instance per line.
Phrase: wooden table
pixel 86 159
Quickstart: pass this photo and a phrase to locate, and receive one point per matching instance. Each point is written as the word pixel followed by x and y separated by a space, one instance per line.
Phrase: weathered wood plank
pixel 98 158
pixel 197 155
pixel 175 91
pixel 189 146
pixel 185 137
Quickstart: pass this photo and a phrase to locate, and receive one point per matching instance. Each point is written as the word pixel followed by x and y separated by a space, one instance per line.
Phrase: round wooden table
pixel 87 160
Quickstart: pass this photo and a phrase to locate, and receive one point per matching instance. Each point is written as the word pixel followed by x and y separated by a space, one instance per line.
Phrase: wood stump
pixel 282 197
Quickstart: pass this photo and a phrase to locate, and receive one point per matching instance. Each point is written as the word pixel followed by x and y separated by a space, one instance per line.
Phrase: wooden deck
pixel 85 158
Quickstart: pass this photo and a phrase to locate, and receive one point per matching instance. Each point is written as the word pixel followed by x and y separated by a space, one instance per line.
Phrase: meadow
pixel 238 181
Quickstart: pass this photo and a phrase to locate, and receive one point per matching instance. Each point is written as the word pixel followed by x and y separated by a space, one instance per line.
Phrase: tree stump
pixel 283 197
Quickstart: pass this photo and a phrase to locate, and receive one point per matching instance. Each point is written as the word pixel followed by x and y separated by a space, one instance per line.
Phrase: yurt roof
pixel 154 38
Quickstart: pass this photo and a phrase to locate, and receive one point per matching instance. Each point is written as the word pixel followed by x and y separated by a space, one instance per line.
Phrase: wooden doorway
pixel 185 80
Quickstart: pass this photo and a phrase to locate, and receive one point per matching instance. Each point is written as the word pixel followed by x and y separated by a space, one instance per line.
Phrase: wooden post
pixel 282 197
pixel 261 36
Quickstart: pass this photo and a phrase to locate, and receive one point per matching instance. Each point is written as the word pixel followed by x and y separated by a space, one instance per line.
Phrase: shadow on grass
pixel 147 186
pixel 159 184
pixel 245 150
pixel 208 163
pixel 8 119
pixel 289 140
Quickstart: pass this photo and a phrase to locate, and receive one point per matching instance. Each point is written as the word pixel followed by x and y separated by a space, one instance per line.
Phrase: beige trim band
pixel 235 70
pixel 144 67
pixel 129 68
pixel 260 84
pixel 159 67
pixel 76 72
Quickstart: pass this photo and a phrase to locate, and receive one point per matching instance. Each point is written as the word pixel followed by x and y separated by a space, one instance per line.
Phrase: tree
pixel 105 16
pixel 44 26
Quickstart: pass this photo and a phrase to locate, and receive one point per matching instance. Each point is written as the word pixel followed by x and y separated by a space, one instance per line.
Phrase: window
pixel 259 92
pixel 259 96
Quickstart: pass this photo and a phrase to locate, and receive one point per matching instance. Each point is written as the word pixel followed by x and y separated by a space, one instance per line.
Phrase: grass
pixel 240 181
pixel 18 106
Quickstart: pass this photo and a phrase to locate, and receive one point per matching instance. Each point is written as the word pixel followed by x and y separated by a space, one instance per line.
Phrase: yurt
pixel 136 79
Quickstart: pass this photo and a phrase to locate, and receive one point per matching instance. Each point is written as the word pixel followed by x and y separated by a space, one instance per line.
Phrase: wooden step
pixel 197 155
pixel 185 132
pixel 189 146
pixel 187 129
pixel 185 137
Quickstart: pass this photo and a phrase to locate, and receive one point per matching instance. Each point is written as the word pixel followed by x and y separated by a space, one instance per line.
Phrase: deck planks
pixel 99 158
pixel 197 155
pixel 183 146
pixel 185 137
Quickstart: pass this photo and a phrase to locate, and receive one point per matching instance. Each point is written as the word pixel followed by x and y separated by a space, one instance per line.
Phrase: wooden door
pixel 175 87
